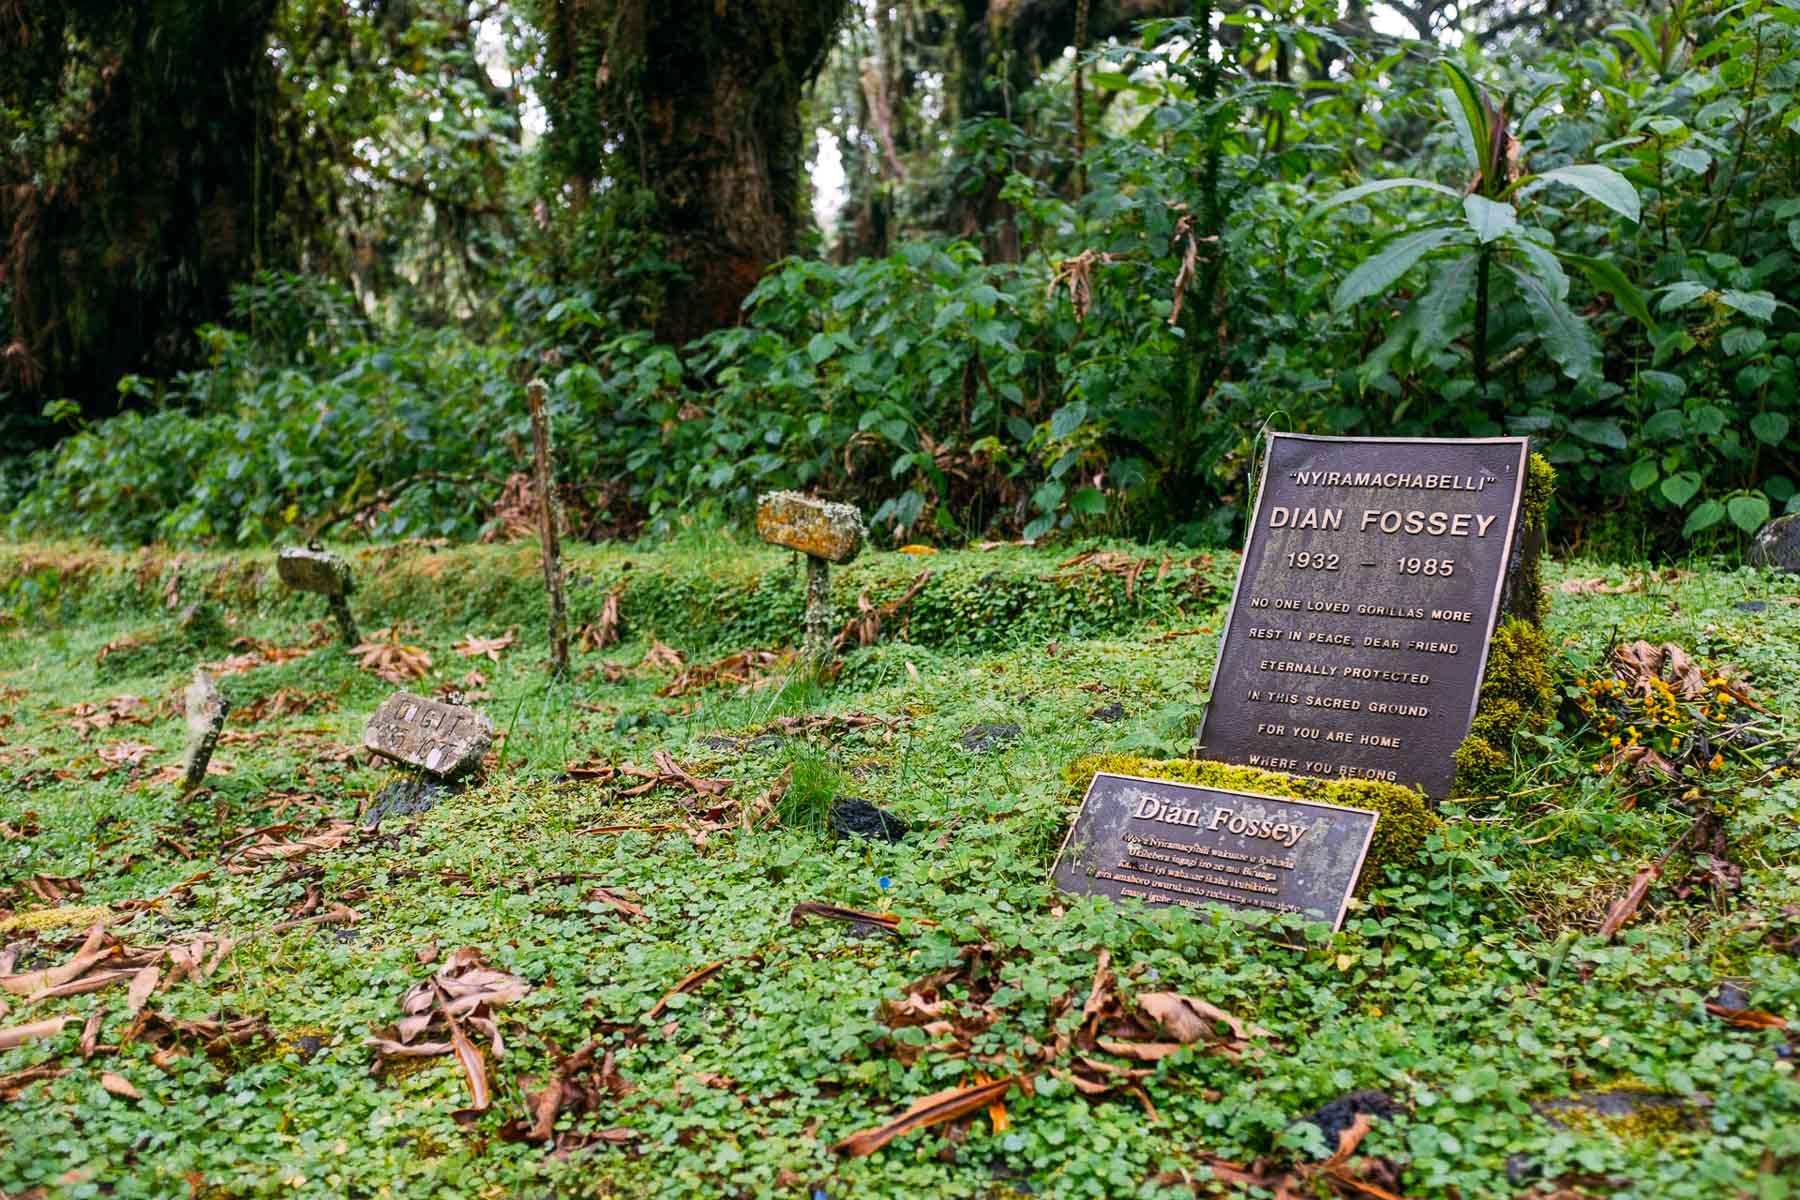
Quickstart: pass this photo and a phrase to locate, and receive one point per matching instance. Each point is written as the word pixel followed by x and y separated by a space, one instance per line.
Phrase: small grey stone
pixel 1616 1104
pixel 721 743
pixel 444 740
pixel 1750 606
pixel 1106 714
pixel 983 738
pixel 206 709
pixel 1777 544
pixel 863 819
pixel 317 571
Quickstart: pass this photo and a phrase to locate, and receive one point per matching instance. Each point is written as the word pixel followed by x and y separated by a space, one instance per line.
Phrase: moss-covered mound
pixel 1406 817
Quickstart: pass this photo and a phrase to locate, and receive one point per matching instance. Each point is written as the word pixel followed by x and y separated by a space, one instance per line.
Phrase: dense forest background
pixel 990 268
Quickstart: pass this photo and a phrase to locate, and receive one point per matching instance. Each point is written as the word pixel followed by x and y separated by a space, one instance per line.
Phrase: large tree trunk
pixel 699 102
pixel 125 228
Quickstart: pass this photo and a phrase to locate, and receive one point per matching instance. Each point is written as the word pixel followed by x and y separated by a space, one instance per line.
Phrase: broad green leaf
pixel 1665 424
pixel 1465 136
pixel 1602 431
pixel 1757 305
pixel 1380 270
pixel 1488 218
pixel 1605 277
pixel 1748 512
pixel 1472 107
pixel 1770 427
pixel 1541 261
pixel 1678 294
pixel 1048 495
pixel 1678 489
pixel 1088 502
pixel 1435 314
pixel 1566 336
pixel 1067 419
pixel 1707 514
pixel 1380 185
pixel 1643 474
pixel 1599 183
pixel 820 348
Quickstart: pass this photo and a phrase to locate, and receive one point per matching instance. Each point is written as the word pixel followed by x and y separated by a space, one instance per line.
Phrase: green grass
pixel 1470 990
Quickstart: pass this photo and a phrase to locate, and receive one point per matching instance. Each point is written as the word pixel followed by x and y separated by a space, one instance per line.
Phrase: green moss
pixel 1406 819
pixel 1534 513
pixel 1518 694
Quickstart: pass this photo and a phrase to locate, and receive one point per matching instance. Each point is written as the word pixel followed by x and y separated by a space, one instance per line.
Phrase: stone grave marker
pixel 206 708
pixel 1177 843
pixel 1777 545
pixel 443 740
pixel 826 533
pixel 325 574
pixel 1368 593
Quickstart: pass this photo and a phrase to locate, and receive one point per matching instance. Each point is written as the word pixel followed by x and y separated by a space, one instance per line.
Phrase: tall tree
pixel 130 196
pixel 695 106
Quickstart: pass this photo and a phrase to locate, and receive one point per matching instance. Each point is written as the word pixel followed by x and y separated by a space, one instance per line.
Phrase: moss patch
pixel 1518 694
pixel 1400 834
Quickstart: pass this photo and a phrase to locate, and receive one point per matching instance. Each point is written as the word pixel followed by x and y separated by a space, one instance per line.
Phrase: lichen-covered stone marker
pixel 206 709
pixel 443 740
pixel 323 573
pixel 826 533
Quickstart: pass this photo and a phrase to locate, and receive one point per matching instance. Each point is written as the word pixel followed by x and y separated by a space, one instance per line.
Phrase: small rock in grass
pixel 863 819
pixel 983 738
pixel 1106 714
pixel 719 742
pixel 1335 1116
pixel 1777 544
pixel 1750 606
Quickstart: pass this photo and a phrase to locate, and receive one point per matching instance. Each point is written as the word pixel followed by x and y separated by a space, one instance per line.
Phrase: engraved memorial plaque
pixel 1176 843
pixel 445 740
pixel 1359 630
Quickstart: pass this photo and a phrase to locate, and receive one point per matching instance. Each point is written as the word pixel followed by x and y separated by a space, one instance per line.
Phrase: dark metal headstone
pixel 1175 843
pixel 1359 630
pixel 443 740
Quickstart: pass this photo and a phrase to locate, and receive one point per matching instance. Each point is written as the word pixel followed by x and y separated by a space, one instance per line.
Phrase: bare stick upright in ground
pixel 825 533
pixel 549 517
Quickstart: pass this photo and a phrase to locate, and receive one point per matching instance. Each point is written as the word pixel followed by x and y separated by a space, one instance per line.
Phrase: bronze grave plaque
pixel 445 740
pixel 1177 843
pixel 1359 630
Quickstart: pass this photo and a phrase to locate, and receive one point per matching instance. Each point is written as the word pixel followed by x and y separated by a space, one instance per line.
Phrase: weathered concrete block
pixel 206 709
pixel 833 532
pixel 445 740
pixel 1777 544
pixel 314 571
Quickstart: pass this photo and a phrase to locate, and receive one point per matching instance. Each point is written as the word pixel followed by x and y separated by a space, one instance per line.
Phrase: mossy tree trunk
pixel 698 104
pixel 130 197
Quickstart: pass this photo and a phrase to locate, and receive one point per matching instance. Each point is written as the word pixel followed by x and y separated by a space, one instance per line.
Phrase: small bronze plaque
pixel 1175 843
pixel 1365 602
pixel 445 740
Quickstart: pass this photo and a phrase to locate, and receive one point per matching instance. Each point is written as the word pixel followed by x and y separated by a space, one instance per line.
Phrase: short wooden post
pixel 826 533
pixel 549 513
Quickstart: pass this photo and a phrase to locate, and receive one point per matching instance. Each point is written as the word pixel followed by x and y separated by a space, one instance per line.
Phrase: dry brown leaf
pixel 473 646
pixel 615 901
pixel 118 1085
pixel 32 1031
pixel 1747 1018
pixel 934 1109
pixel 468 1056
pixel 390 658
pixel 95 949
pixel 1189 1019
pixel 142 985
pixel 688 983
pixel 17 1081
pixel 876 922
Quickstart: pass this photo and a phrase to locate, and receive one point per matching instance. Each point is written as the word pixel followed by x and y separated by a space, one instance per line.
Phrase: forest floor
pixel 672 1026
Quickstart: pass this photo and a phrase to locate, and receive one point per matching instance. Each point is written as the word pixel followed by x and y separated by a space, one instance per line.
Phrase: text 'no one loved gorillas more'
pixel 1359 630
